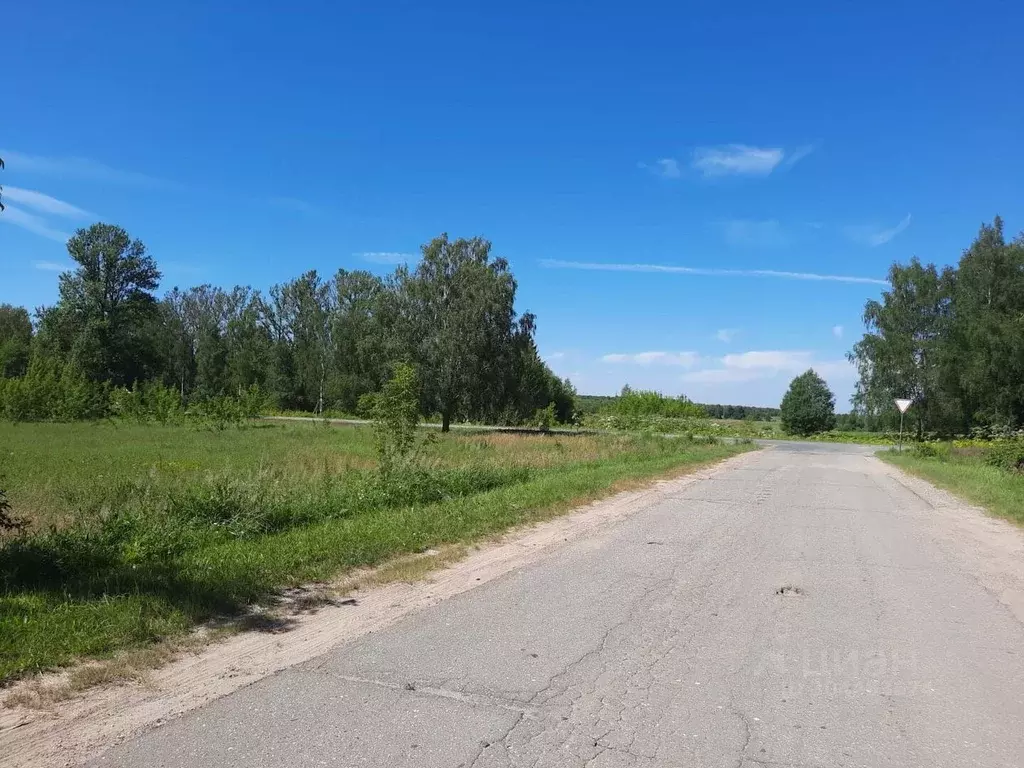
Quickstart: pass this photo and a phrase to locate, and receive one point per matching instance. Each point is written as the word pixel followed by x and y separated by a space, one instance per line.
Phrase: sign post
pixel 902 404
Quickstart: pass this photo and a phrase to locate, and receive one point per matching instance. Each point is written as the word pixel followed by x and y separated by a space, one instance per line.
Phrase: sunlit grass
pixel 157 528
pixel 997 490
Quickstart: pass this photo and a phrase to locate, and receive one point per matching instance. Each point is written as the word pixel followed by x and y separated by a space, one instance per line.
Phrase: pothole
pixel 788 590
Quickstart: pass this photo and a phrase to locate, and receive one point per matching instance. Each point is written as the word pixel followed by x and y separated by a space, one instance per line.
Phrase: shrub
pixel 545 418
pixel 924 450
pixel 396 411
pixel 1008 455
pixel 52 391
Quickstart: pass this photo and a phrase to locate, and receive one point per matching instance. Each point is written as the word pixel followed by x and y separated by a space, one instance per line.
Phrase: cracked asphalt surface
pixel 794 610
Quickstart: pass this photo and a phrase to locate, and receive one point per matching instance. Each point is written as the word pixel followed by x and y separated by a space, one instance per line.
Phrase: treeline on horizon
pixel 310 344
pixel 950 339
pixel 595 403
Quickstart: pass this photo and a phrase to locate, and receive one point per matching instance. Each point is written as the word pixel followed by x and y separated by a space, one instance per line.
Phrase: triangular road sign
pixel 903 404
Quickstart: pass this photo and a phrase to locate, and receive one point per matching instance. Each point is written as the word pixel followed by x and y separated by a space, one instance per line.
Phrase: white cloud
pixel 44 203
pixel 387 257
pixel 684 359
pixel 554 356
pixel 666 167
pixel 874 235
pixel 737 159
pixel 768 364
pixel 708 271
pixel 51 266
pixel 773 359
pixel 837 331
pixel 78 167
pixel 724 376
pixel 726 334
pixel 35 224
pixel 746 232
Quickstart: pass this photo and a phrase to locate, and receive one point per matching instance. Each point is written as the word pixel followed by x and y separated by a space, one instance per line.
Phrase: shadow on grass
pixel 68 568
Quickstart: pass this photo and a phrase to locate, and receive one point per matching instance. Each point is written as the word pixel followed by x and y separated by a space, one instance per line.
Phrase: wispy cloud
pixel 666 167
pixel 684 359
pixel 726 334
pixel 750 233
pixel 387 257
pixel 78 167
pixel 798 154
pixel 737 159
pixel 766 364
pixel 875 235
pixel 837 331
pixel 44 203
pixel 554 356
pixel 51 266
pixel 707 271
pixel 35 224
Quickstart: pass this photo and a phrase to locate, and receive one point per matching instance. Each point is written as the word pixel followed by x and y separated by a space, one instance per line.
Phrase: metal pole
pixel 901 431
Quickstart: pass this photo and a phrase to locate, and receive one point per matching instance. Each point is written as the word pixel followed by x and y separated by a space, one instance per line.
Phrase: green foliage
pixel 638 403
pixel 312 344
pixel 106 320
pixel 395 415
pixel 1006 454
pixel 15 340
pixel 743 412
pixel 808 406
pixel 147 402
pixel 545 418
pixel 51 391
pixel 649 411
pixel 951 340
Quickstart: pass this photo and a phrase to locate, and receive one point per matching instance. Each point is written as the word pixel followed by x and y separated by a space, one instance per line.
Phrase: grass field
pixel 995 489
pixel 139 532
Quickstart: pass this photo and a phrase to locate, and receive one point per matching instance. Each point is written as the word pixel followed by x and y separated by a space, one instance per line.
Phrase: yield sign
pixel 903 404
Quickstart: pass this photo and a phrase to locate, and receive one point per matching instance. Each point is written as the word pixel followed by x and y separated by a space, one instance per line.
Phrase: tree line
pixel 314 343
pixel 951 340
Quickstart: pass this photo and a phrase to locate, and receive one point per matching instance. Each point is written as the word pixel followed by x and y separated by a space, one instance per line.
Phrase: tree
pixel 106 319
pixel 300 316
pixel 904 353
pixel 459 320
pixel 808 406
pixel 15 340
pixel 986 336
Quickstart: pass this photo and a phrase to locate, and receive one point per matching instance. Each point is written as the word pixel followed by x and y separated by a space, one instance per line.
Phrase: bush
pixel 1008 455
pixel 808 406
pixel 52 391
pixel 545 418
pixel 396 412
pixel 924 450
pixel 638 403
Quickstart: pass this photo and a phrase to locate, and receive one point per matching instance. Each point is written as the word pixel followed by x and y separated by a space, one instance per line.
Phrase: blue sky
pixel 678 187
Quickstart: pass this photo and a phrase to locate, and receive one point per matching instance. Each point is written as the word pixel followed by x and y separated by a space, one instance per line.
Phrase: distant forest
pixel 586 404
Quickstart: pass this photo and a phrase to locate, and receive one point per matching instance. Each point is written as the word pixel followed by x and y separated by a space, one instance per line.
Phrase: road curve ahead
pixel 802 608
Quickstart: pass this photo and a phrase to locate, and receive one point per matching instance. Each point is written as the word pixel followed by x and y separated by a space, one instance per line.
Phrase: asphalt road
pixel 798 609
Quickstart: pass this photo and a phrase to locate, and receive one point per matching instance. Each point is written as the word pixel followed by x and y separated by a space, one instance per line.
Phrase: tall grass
pixel 140 532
